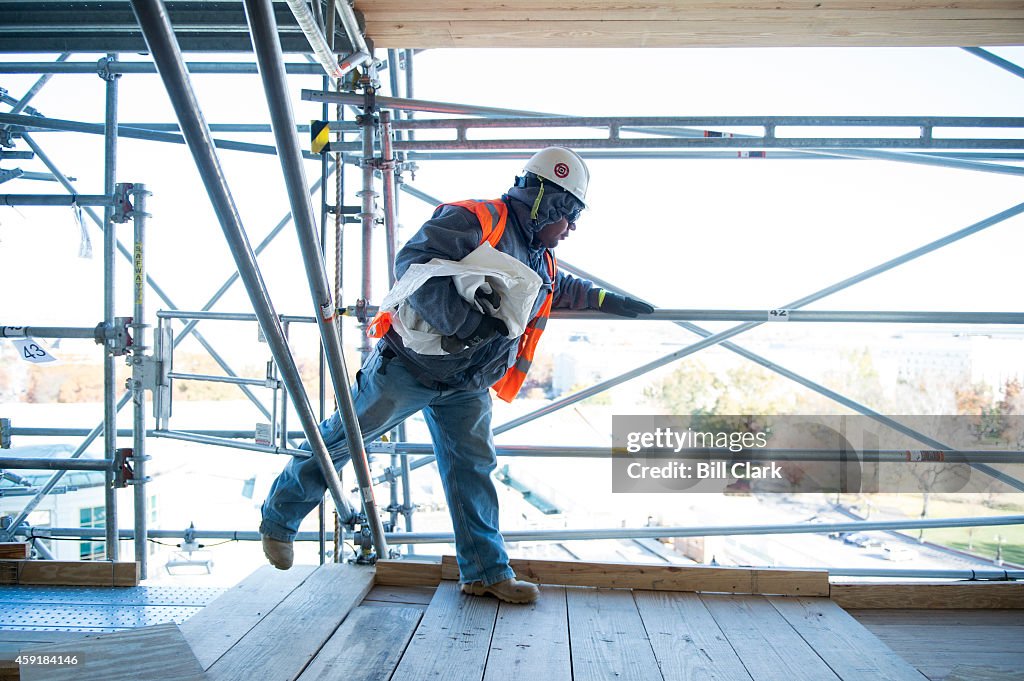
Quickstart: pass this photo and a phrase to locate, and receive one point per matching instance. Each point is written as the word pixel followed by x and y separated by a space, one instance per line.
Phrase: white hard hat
pixel 562 166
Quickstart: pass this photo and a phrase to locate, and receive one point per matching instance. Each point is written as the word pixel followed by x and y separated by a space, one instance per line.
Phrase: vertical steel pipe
pixel 139 347
pixel 387 166
pixel 367 214
pixel 156 28
pixel 270 60
pixel 390 200
pixel 407 506
pixel 109 370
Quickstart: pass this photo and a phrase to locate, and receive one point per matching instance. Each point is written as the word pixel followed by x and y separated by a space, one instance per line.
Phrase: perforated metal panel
pixel 96 609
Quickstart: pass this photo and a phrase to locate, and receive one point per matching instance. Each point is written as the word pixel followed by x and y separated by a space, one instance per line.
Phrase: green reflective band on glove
pixel 623 306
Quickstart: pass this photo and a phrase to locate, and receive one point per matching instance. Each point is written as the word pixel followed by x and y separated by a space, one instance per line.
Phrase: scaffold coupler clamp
pixel 117 338
pixel 124 474
pixel 104 71
pixel 363 542
pixel 123 209
pixel 360 311
pixel 5 433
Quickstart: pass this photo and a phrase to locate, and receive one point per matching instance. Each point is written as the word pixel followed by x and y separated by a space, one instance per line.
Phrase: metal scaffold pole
pixel 269 57
pixel 367 214
pixel 109 253
pixel 156 28
pixel 139 326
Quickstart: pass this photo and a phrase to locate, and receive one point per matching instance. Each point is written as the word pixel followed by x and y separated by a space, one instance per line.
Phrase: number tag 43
pixel 31 351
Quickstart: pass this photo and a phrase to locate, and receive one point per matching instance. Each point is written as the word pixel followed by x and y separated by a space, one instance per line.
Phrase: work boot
pixel 510 590
pixel 279 553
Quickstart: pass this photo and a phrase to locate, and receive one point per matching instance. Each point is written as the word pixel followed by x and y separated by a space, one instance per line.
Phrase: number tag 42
pixel 31 351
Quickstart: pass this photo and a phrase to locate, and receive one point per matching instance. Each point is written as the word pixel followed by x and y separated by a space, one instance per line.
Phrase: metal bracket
pixel 345 210
pixel 161 364
pixel 153 374
pixel 123 472
pixel 119 341
pixel 123 209
pixel 363 542
pixel 11 174
pixel 6 531
pixel 5 433
pixel 360 311
pixel 103 69
pixel 380 447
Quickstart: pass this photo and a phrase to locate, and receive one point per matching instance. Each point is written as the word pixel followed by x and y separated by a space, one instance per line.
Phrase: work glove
pixel 623 306
pixel 485 330
pixel 489 302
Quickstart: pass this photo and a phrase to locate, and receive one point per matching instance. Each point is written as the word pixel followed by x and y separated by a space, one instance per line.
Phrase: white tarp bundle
pixel 485 268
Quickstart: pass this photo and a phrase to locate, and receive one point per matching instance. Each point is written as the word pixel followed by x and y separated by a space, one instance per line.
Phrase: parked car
pixel 861 539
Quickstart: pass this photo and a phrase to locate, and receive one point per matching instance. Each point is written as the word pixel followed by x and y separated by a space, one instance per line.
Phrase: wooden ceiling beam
pixel 693 23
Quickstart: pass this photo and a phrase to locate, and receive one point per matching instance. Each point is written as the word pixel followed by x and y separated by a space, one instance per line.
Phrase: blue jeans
pixel 386 394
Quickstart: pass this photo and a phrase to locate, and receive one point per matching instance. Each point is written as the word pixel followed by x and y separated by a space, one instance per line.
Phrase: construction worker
pixel 453 389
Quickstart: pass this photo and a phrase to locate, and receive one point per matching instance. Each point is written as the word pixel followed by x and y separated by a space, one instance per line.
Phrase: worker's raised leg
pixel 460 425
pixel 385 394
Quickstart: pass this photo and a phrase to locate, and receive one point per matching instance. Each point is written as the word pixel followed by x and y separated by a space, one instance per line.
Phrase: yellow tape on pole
pixel 320 133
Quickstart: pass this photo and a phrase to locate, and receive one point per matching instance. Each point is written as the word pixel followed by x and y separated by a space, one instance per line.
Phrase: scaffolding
pixel 382 143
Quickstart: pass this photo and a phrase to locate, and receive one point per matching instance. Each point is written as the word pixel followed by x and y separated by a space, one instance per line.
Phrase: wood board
pixel 283 643
pixel 213 630
pixel 531 641
pixel 663 577
pixel 70 573
pixel 770 649
pixel 452 640
pixel 940 595
pixel 366 647
pixel 157 653
pixel 850 650
pixel 686 639
pixel 607 635
pixel 408 573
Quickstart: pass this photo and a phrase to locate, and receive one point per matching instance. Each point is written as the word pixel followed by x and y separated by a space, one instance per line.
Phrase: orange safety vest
pixel 493 216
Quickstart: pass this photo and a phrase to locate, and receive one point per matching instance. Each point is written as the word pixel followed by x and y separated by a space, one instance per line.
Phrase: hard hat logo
pixel 562 166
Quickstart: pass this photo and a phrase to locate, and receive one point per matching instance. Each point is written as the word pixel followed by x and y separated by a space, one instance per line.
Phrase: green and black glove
pixel 623 306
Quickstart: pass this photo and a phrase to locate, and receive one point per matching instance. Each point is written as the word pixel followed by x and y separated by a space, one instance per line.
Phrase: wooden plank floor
pixel 339 625
pixel 331 622
pixel 953 645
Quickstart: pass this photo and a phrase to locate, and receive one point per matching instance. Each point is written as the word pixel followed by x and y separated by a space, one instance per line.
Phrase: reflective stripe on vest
pixel 493 217
pixel 508 385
